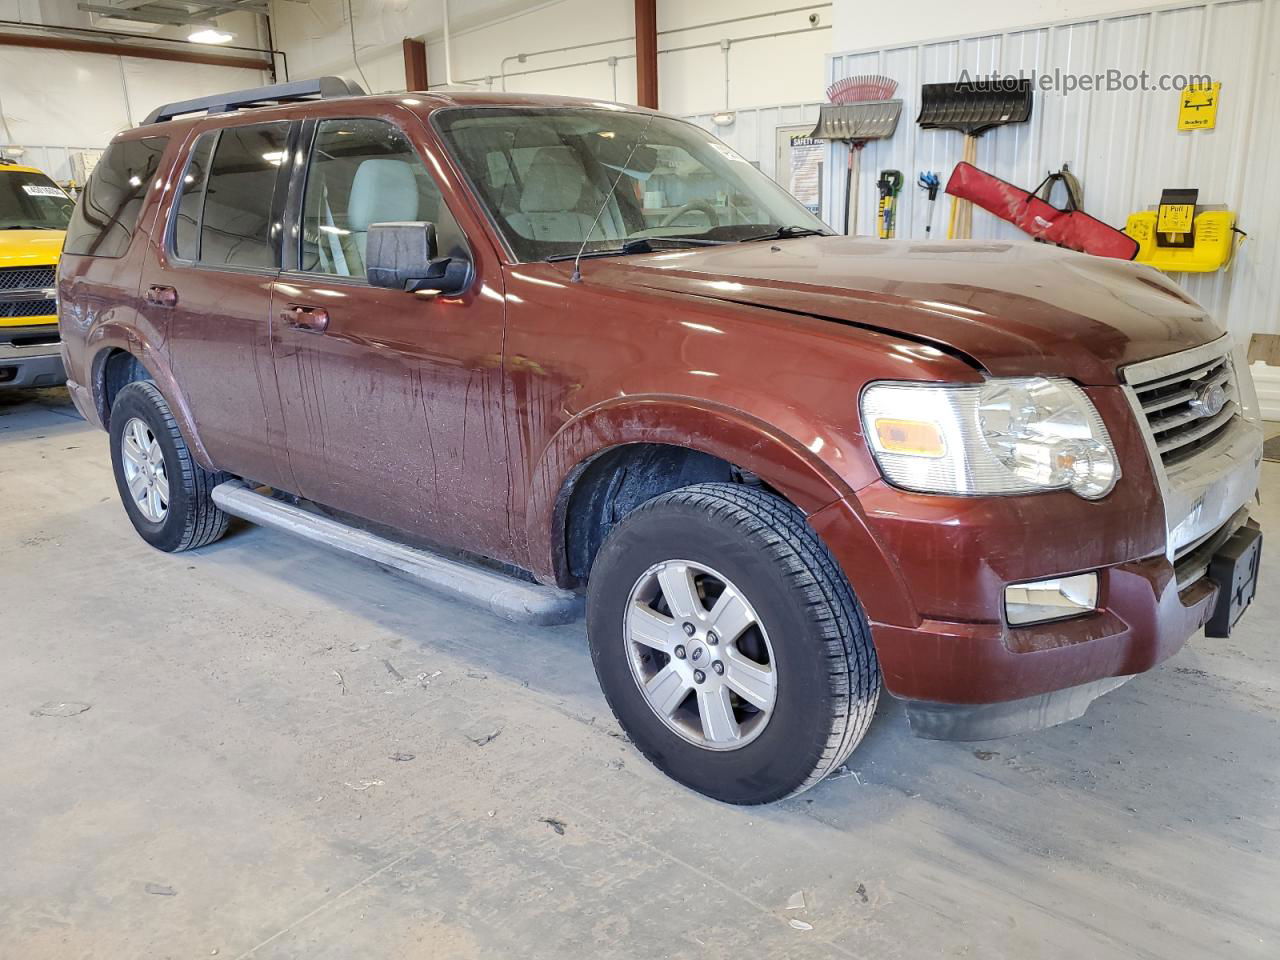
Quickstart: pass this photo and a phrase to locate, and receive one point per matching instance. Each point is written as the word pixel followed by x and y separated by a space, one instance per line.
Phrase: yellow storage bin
pixel 1213 234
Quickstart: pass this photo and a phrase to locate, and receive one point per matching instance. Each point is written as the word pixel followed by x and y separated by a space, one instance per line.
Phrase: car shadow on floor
pixel 1113 764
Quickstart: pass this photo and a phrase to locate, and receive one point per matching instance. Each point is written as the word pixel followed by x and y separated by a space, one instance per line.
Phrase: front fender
pixel 138 343
pixel 750 444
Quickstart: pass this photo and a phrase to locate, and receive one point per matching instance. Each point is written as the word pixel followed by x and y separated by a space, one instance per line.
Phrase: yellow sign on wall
pixel 1175 217
pixel 1198 106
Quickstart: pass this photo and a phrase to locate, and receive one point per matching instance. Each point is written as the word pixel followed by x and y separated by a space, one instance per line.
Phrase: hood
pixel 30 248
pixel 1014 309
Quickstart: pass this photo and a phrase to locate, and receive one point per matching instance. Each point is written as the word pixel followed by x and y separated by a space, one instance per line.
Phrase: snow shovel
pixel 860 110
pixel 972 109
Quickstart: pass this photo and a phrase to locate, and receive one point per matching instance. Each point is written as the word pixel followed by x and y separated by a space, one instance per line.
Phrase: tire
pixel 744 542
pixel 189 517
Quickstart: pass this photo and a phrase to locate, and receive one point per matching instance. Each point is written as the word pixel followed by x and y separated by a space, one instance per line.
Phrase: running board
pixel 507 597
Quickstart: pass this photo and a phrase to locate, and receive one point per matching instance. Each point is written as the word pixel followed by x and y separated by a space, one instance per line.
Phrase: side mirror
pixel 404 256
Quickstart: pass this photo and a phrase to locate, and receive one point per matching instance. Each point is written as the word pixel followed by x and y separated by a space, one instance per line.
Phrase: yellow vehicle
pixel 34 212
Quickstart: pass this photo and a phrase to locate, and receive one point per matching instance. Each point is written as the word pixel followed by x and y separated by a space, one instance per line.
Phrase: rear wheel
pixel 165 492
pixel 729 643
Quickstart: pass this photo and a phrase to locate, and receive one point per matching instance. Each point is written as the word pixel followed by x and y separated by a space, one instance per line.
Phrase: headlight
pixel 1017 435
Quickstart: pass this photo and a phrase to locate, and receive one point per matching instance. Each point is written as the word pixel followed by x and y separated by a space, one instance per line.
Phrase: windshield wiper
pixel 639 245
pixel 786 233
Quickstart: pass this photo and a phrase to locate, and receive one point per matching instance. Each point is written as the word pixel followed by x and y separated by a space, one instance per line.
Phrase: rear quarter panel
pixel 99 303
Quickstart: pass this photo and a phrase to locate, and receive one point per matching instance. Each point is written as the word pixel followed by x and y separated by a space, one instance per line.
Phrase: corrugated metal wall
pixel 1124 146
pixel 753 132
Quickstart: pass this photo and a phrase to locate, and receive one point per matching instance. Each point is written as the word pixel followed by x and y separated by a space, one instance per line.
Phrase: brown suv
pixel 589 346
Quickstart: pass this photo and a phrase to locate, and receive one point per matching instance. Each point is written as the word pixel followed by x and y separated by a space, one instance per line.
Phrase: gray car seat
pixel 382 191
pixel 549 199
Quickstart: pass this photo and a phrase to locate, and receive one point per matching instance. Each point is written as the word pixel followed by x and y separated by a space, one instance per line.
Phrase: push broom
pixel 860 110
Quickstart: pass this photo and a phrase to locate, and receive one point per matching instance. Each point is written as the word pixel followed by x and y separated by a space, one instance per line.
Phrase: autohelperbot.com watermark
pixel 1067 82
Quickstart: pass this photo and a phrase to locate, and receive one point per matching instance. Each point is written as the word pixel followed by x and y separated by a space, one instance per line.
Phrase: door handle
pixel 161 295
pixel 307 319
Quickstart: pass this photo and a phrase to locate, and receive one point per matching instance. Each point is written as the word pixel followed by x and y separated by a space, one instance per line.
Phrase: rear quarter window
pixel 107 214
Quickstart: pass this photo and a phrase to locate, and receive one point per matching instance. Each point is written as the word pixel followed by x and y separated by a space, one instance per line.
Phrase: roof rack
pixel 321 88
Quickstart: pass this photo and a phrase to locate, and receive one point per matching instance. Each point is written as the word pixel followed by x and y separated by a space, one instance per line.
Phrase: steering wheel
pixel 702 206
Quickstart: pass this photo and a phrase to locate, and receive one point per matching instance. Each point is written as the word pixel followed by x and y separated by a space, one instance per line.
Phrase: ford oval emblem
pixel 1209 400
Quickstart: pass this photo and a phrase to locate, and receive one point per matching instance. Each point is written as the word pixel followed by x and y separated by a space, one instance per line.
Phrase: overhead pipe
pixel 630 56
pixel 448 55
pixel 523 57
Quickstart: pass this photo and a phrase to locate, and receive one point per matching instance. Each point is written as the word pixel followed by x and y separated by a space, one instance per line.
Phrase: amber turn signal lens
pixel 916 438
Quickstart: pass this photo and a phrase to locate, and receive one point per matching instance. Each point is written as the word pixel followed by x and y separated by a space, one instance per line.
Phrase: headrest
pixel 382 191
pixel 554 181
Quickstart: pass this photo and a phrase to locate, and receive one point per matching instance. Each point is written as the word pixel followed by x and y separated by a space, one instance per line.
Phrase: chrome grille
pixel 1208 467
pixel 1179 422
pixel 26 278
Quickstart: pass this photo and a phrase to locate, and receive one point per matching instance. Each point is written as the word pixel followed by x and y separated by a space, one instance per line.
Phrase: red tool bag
pixel 1070 228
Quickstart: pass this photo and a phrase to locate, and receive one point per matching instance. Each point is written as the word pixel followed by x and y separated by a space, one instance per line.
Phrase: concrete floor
pixel 231 790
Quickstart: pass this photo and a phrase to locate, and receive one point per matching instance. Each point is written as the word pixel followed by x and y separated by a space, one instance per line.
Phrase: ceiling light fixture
pixel 210 35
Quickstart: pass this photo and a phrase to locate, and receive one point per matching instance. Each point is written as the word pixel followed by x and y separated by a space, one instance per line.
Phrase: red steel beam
pixel 415 64
pixel 45 42
pixel 647 53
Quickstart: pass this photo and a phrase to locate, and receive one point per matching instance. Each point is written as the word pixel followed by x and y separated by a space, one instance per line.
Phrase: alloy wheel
pixel 144 470
pixel 700 655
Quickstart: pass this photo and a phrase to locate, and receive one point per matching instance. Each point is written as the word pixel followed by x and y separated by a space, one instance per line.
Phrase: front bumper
pixel 1143 619
pixel 34 365
pixel 945 646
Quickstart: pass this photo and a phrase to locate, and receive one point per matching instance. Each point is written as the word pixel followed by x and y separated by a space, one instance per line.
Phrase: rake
pixel 860 110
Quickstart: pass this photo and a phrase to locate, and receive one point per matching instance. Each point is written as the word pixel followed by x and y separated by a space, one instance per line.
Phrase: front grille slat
pixel 1177 424
pixel 1174 379
pixel 1173 419
pixel 1199 429
pixel 1222 378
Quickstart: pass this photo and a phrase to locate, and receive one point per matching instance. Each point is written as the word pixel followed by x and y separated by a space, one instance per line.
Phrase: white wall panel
pixel 776 55
pixel 55 98
pixel 1123 145
pixel 151 83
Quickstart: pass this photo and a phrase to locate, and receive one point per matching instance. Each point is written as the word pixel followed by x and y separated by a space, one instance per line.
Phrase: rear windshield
pixel 31 201
pixel 107 214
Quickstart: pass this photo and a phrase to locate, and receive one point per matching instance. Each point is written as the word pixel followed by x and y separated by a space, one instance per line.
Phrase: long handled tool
pixel 889 185
pixel 972 109
pixel 929 183
pixel 860 110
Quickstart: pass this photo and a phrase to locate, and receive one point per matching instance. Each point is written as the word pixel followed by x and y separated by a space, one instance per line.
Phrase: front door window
pixel 363 172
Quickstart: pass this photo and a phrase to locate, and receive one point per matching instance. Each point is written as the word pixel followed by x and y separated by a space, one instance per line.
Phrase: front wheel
pixel 729 643
pixel 165 492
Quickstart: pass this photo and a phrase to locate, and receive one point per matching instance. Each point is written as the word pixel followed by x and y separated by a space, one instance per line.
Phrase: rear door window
pixel 107 214
pixel 186 221
pixel 236 222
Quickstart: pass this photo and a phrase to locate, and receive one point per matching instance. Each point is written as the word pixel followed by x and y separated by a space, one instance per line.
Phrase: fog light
pixel 1043 600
